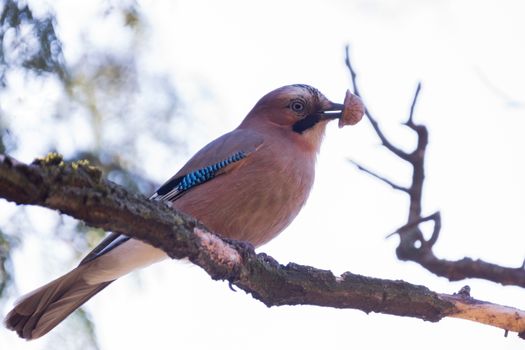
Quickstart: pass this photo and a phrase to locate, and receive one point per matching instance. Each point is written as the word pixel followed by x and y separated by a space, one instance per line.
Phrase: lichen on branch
pixel 79 190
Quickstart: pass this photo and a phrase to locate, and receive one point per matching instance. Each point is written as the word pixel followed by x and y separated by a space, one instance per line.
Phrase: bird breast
pixel 259 199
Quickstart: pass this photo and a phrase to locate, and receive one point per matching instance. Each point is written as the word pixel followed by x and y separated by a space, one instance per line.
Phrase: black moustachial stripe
pixel 183 183
pixel 306 123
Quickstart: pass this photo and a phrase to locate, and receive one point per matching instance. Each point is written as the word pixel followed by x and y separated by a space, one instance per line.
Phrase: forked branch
pixel 412 245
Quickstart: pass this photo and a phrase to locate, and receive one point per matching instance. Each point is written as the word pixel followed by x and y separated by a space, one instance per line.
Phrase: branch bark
pixel 412 245
pixel 78 189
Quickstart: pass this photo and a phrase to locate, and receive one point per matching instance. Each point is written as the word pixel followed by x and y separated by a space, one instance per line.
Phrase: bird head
pixel 300 111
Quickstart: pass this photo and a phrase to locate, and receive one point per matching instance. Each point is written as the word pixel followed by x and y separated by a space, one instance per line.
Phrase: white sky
pixel 234 52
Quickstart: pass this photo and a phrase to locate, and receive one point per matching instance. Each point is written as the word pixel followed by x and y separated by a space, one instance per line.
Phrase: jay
pixel 248 184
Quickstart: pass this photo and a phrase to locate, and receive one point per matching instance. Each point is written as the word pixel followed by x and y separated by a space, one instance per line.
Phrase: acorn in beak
pixel 348 113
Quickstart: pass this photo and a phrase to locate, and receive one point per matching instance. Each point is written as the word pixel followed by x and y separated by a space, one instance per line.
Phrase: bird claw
pixel 230 285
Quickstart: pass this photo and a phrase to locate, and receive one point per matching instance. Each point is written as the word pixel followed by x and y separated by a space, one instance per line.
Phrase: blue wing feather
pixel 174 188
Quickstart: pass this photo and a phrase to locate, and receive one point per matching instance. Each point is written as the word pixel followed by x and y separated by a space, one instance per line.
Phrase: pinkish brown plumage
pixel 248 184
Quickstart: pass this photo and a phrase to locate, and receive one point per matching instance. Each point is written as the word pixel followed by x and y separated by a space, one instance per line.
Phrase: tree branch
pixel 79 190
pixel 412 245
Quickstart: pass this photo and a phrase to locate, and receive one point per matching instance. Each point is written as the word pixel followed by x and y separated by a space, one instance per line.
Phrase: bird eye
pixel 297 106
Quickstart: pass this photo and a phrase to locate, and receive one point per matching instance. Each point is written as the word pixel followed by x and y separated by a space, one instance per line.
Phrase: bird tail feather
pixel 41 310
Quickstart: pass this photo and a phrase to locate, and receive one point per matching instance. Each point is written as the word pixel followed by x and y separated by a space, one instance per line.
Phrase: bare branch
pixel 410 121
pixel 78 190
pixel 384 140
pixel 351 70
pixel 436 217
pixel 379 177
pixel 412 245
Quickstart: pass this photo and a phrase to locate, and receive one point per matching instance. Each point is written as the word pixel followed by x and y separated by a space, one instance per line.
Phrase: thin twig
pixel 353 74
pixel 384 141
pixel 379 177
pixel 410 121
pixel 412 224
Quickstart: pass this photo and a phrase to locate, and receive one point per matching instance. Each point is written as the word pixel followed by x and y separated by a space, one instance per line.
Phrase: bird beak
pixel 334 111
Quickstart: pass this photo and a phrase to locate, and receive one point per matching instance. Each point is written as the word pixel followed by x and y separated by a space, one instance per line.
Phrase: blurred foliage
pixel 109 93
pixel 7 244
pixel 28 42
pixel 2 144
